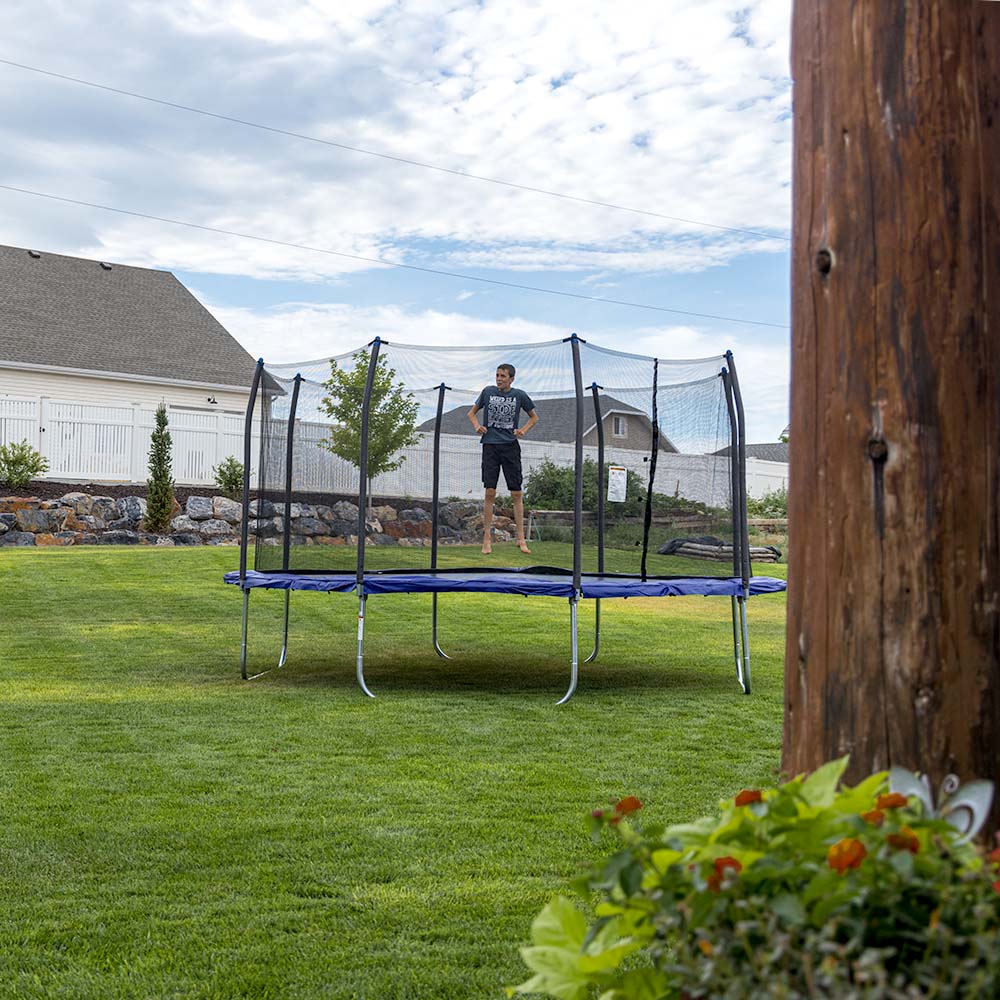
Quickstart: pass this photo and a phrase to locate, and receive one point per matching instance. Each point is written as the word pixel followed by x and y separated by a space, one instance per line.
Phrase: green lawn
pixel 169 830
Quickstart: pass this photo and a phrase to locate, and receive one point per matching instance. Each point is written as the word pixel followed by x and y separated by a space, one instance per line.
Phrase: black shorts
pixel 506 457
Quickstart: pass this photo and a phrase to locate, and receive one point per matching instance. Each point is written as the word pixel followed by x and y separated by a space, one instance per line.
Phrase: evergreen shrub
pixel 20 463
pixel 160 485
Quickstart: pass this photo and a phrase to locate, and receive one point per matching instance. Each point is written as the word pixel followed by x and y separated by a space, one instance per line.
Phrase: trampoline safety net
pixel 632 468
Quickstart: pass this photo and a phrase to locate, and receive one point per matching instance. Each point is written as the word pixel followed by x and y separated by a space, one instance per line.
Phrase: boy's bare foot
pixel 487 549
pixel 523 546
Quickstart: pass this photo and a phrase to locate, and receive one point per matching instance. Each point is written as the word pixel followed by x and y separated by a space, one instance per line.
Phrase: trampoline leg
pixel 597 632
pixel 361 648
pixel 434 630
pixel 243 640
pixel 284 637
pixel 737 653
pixel 573 602
pixel 746 645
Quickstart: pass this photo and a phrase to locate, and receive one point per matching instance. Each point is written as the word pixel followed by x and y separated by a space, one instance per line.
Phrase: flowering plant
pixel 805 890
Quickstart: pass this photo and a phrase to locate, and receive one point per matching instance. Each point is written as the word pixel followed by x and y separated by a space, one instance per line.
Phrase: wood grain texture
pixel 893 646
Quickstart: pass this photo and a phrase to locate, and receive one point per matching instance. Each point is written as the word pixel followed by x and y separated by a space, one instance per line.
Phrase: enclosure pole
pixel 741 426
pixel 893 643
pixel 289 454
pixel 361 645
pixel 442 388
pixel 648 516
pixel 578 480
pixel 594 388
pixel 363 464
pixel 247 436
pixel 734 493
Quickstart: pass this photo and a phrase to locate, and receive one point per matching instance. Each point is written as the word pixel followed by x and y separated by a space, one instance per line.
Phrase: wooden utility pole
pixel 893 645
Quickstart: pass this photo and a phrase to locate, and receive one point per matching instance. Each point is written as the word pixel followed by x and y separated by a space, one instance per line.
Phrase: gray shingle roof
pixel 70 312
pixel 556 419
pixel 776 451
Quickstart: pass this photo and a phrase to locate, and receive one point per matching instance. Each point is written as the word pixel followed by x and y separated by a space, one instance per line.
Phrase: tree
pixel 893 646
pixel 392 415
pixel 160 485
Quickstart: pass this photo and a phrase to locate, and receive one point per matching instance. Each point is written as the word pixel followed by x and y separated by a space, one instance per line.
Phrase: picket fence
pixel 92 443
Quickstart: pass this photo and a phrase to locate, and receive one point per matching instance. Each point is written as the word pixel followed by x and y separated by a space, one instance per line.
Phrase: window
pixel 618 427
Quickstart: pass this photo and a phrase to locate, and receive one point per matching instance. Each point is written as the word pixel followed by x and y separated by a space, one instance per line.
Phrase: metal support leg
pixel 284 637
pixel 597 631
pixel 573 602
pixel 737 652
pixel 243 640
pixel 745 681
pixel 361 647
pixel 434 630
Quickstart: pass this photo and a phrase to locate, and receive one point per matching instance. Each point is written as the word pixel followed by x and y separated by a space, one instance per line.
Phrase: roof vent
pixel 34 254
pixel 105 265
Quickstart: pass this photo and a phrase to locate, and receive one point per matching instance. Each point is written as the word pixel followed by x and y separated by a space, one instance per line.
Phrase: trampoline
pixel 280 441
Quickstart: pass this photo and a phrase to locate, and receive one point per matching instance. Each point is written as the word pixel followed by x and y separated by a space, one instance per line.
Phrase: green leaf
pixel 789 908
pixel 559 925
pixel 559 973
pixel 820 787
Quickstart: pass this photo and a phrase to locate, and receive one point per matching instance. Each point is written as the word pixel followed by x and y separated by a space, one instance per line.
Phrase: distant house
pixel 625 426
pixel 88 349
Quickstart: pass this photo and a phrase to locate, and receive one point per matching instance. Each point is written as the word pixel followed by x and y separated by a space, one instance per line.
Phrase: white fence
pixel 87 442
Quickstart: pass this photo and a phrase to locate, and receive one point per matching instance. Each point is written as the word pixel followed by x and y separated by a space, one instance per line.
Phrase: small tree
pixel 160 485
pixel 20 463
pixel 392 415
pixel 229 477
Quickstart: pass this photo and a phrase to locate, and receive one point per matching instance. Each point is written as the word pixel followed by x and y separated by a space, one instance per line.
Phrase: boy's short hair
pixel 508 368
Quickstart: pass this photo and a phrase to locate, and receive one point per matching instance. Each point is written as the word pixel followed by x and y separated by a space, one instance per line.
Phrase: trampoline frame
pixel 741 545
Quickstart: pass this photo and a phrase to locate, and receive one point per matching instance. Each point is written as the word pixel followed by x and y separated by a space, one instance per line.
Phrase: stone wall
pixel 83 519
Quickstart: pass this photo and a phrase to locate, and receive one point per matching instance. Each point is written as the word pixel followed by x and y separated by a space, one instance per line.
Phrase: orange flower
pixel 749 795
pixel 846 853
pixel 628 805
pixel 721 864
pixel 905 840
pixel 876 817
pixel 891 800
pixel 706 947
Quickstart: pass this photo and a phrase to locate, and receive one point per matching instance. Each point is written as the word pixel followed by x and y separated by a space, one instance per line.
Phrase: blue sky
pixel 676 108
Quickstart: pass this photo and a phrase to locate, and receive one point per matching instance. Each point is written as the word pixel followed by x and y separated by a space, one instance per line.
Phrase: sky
pixel 675 115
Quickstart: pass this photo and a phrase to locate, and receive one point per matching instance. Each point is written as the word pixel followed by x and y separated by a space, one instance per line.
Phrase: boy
pixel 501 449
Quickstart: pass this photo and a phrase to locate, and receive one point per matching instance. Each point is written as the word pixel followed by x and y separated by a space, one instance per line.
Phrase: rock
pixel 8 520
pixel 59 538
pixel 186 538
pixel 122 524
pixel 81 503
pixel 502 522
pixel 445 532
pixel 380 540
pixel 132 510
pixel 414 514
pixel 183 523
pixel 4 528
pixel 268 528
pixel 11 505
pixel 457 512
pixel 343 528
pixel 302 510
pixel 41 520
pixel 83 522
pixel 324 511
pixel 86 538
pixel 373 527
pixel 199 508
pixel 214 527
pixel 310 526
pixel 344 510
pixel 385 513
pixel 163 541
pixel 106 508
pixel 261 508
pixel 120 538
pixel 227 510
pixel 18 538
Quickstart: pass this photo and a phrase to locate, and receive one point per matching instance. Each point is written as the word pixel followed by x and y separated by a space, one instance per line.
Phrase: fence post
pixel 43 420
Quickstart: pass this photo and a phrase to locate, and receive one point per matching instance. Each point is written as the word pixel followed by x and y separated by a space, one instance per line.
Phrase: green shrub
pixel 774 503
pixel 228 476
pixel 799 891
pixel 20 463
pixel 160 485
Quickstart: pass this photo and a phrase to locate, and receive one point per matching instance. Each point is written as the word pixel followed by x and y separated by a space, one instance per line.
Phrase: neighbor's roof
pixel 556 419
pixel 776 451
pixel 69 312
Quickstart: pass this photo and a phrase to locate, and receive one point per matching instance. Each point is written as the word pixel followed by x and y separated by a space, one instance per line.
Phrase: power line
pixel 388 156
pixel 384 261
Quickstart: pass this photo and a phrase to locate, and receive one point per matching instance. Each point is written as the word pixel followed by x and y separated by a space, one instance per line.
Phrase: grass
pixel 169 831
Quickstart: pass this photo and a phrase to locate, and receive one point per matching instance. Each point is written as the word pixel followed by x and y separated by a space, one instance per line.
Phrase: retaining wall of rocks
pixel 84 519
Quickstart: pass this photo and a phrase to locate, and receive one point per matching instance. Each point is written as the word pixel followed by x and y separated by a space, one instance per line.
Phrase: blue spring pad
pixel 525 584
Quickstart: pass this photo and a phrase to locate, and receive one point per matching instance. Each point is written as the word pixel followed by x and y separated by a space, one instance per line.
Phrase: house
pixel 769 451
pixel 625 426
pixel 88 349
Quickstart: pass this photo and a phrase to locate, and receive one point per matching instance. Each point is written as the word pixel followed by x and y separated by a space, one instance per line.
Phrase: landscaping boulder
pixel 18 538
pixel 8 521
pixel 384 513
pixel 227 510
pixel 183 523
pixel 119 538
pixel 261 508
pixel 344 510
pixel 37 520
pixel 414 514
pixel 457 512
pixel 214 527
pixel 310 526
pixel 380 540
pixel 106 508
pixel 81 503
pixel 186 537
pixel 131 510
pixel 199 508
pixel 373 527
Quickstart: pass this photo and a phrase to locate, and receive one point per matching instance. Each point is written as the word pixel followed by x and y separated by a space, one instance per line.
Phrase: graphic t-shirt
pixel 500 413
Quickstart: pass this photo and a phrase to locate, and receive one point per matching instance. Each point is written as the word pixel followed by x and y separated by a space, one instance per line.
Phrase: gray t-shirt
pixel 501 411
